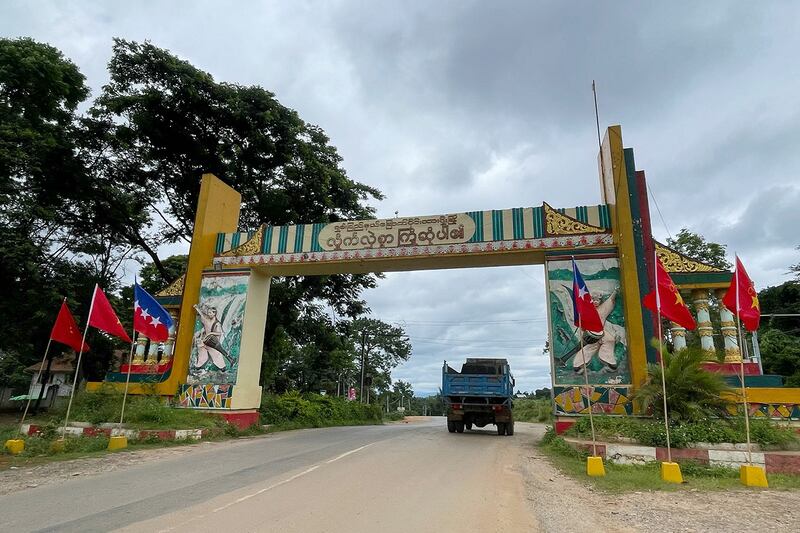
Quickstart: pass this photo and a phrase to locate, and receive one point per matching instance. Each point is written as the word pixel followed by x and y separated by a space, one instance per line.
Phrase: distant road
pixel 413 477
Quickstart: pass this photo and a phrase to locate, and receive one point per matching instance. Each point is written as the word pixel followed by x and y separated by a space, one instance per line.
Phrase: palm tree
pixel 693 393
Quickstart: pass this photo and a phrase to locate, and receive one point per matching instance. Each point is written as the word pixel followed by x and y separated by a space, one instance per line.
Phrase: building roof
pixel 61 364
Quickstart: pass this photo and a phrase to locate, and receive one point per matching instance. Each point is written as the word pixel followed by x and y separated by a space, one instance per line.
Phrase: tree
pixel 695 246
pixel 379 347
pixel 153 279
pixel 780 354
pixel 693 393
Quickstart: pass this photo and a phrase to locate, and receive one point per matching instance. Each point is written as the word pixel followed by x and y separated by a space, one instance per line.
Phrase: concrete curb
pixel 730 457
pixel 132 434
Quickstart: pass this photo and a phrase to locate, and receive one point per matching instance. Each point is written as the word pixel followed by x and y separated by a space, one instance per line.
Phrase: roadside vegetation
pixel 533 410
pixel 768 434
pixel 293 410
pixel 628 478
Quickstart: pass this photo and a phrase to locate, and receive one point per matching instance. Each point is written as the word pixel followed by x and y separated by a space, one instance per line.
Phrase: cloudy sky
pixel 455 106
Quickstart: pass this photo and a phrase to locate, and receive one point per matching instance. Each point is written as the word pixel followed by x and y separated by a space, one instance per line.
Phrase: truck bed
pixel 480 385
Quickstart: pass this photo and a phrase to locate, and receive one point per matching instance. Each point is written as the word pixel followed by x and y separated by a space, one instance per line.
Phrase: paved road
pixel 398 477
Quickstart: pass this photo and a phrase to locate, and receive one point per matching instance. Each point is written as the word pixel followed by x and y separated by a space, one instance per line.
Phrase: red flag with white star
pixel 65 330
pixel 104 318
pixel 666 299
pixel 742 298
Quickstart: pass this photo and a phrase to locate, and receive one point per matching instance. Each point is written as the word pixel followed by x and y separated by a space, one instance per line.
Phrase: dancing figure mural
pixel 209 339
pixel 599 343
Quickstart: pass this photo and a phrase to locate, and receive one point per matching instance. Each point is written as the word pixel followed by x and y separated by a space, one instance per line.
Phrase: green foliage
pixel 696 247
pixel 141 411
pixel 779 337
pixel 692 392
pixel 153 279
pixel 533 410
pixel 296 410
pixel 652 433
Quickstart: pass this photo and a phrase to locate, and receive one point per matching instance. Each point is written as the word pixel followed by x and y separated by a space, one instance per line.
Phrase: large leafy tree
pixel 47 248
pixel 697 247
pixel 160 123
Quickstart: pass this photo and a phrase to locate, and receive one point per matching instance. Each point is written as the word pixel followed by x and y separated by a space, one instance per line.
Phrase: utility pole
pixel 363 349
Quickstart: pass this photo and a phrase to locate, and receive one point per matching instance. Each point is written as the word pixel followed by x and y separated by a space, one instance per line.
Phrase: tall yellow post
pixel 217 212
pixel 616 193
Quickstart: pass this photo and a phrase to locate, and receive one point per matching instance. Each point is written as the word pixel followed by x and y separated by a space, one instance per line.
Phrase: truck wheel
pixel 468 425
pixel 460 427
pixel 501 428
pixel 510 428
pixel 451 426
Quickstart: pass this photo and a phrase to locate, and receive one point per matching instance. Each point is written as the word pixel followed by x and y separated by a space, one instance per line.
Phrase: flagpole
pixel 589 391
pixel 78 364
pixel 38 377
pixel 661 357
pixel 128 377
pixel 741 367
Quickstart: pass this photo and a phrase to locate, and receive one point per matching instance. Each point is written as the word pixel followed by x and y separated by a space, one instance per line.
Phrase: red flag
pixel 666 299
pixel 586 316
pixel 104 318
pixel 747 307
pixel 65 330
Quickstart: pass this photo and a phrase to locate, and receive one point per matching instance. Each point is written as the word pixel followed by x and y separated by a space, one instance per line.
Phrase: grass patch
pixel 630 478
pixel 532 410
pixel 768 434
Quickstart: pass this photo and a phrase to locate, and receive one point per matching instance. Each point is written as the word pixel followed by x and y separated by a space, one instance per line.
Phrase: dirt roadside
pixel 566 504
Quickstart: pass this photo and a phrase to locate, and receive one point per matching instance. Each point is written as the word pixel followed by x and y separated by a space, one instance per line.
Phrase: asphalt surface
pixel 397 477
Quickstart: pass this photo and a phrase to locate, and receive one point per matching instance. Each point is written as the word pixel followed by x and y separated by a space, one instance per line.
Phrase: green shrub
pixel 533 410
pixel 694 393
pixel 296 410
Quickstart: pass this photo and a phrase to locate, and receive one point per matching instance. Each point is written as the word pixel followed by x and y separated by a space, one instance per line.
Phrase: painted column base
pixel 117 442
pixel 753 476
pixel 671 472
pixel 241 419
pixel 595 467
pixel 15 446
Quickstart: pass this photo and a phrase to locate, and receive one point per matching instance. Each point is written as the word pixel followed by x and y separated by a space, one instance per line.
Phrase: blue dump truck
pixel 479 395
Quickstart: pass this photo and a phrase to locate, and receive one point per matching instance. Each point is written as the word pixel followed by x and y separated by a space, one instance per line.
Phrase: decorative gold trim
pixel 732 355
pixel 679 332
pixel 705 332
pixel 252 246
pixel 675 261
pixel 173 289
pixel 726 324
pixel 558 224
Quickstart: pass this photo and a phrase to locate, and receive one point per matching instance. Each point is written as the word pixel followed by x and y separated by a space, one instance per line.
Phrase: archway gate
pixel 225 291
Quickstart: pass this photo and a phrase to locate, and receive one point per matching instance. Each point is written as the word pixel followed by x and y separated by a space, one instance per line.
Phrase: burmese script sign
pixel 397 232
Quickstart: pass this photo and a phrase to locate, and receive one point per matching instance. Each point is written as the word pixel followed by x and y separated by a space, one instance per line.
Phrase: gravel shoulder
pixel 563 503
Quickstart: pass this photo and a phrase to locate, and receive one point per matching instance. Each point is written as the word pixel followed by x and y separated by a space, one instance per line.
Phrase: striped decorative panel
pixel 489 226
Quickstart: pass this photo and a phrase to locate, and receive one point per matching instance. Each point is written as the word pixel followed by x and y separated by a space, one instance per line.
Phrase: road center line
pixel 345 454
pixel 287 480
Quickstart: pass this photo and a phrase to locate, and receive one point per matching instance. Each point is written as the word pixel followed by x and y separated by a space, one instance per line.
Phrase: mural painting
pixel 604 352
pixel 218 330
pixel 606 400
pixel 205 396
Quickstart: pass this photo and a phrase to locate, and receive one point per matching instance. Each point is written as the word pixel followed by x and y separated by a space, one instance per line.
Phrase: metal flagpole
pixel 78 364
pixel 38 377
pixel 589 391
pixel 128 377
pixel 741 367
pixel 661 359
